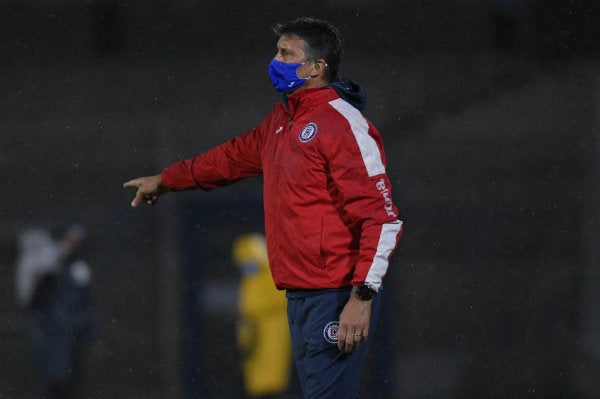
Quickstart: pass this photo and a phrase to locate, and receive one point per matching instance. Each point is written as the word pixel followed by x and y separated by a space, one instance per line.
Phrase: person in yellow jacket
pixel 263 332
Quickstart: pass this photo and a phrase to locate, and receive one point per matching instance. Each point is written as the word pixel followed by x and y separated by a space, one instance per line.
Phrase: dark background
pixel 489 111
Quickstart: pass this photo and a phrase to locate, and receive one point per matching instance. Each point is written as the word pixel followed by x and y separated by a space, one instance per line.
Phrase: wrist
pixel 161 187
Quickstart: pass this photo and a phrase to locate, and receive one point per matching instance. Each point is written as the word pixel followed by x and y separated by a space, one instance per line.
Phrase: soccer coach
pixel 330 222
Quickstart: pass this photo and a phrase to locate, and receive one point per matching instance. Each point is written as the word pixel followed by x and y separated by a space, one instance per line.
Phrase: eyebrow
pixel 285 50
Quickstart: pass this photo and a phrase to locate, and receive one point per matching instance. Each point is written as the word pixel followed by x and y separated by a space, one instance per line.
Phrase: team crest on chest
pixel 308 132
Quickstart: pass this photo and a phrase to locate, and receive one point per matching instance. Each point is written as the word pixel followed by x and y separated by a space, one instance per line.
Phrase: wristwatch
pixel 363 292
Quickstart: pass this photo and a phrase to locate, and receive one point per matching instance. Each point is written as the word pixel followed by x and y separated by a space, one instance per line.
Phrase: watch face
pixel 364 292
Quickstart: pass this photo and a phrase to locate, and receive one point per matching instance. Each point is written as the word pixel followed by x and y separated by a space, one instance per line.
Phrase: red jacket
pixel 329 218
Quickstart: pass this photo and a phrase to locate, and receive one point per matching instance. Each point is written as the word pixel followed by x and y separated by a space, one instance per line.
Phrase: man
pixel 55 284
pixel 331 225
pixel 263 335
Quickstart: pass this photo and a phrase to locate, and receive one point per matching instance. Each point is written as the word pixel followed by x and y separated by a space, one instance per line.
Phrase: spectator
pixel 54 283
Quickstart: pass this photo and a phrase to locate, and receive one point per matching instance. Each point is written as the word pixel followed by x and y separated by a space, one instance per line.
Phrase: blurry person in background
pixel 263 333
pixel 54 283
pixel 330 222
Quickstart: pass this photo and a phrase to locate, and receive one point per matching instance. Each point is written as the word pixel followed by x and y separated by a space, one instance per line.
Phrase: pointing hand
pixel 149 188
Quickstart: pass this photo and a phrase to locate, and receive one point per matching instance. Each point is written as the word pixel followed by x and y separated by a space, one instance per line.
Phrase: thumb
pixel 138 199
pixel 135 183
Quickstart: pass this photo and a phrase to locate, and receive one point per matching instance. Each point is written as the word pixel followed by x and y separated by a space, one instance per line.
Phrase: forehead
pixel 290 43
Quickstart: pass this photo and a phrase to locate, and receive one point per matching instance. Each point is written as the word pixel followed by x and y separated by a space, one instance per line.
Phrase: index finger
pixel 341 337
pixel 345 338
pixel 132 183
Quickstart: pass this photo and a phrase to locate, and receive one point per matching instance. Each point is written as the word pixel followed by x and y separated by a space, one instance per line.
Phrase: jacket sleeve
pixel 356 160
pixel 225 164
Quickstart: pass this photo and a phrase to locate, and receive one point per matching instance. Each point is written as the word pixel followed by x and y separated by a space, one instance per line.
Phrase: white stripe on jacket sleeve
pixel 385 246
pixel 368 147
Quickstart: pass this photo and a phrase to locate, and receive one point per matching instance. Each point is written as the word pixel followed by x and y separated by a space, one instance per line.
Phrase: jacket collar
pixel 308 98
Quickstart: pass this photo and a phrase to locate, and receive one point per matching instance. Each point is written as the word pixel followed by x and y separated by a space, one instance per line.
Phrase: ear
pixel 319 70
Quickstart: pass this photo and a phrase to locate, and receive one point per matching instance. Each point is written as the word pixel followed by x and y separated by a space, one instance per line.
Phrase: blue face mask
pixel 284 76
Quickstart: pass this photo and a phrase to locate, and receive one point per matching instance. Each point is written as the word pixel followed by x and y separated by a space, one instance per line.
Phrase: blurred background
pixel 489 111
